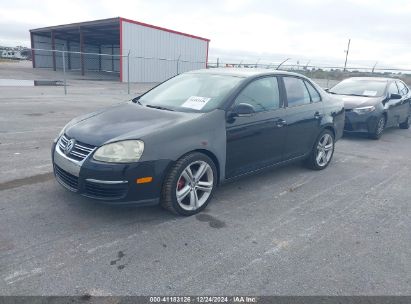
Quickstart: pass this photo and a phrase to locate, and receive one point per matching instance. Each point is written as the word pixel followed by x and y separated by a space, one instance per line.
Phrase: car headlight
pixel 120 152
pixel 364 110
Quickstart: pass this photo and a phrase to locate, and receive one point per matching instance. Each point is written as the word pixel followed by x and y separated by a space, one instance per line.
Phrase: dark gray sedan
pixel 373 104
pixel 174 144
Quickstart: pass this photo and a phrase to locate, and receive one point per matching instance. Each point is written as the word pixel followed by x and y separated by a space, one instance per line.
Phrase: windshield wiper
pixel 159 107
pixel 137 100
pixel 355 95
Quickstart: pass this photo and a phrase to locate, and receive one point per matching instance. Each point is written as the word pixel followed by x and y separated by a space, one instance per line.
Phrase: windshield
pixel 191 92
pixel 360 87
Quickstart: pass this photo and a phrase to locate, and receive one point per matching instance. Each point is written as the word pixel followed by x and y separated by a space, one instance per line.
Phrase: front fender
pixel 207 132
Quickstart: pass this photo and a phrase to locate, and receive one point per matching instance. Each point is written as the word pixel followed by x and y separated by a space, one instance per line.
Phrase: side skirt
pixel 266 168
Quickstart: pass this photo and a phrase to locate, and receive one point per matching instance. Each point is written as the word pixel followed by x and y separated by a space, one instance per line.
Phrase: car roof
pixel 381 79
pixel 243 72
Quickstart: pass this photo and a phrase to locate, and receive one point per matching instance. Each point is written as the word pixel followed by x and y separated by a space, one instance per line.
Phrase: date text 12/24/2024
pixel 203 299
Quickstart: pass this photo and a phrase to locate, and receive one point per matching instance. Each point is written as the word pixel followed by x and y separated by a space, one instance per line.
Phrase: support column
pixel 112 57
pixel 33 55
pixel 53 47
pixel 99 58
pixel 82 52
pixel 68 55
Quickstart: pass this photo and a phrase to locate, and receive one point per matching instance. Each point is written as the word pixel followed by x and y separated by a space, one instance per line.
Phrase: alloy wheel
pixel 194 186
pixel 380 125
pixel 325 149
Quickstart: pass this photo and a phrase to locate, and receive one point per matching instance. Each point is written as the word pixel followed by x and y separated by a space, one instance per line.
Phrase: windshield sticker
pixel 195 102
pixel 370 93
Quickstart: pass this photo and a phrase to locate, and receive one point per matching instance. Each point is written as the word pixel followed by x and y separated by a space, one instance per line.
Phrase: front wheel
pixel 379 128
pixel 189 185
pixel 322 151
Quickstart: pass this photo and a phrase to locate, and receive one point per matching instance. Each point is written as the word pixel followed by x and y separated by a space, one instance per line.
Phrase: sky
pixel 314 31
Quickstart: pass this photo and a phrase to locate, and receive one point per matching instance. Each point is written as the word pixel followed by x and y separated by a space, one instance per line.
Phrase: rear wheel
pixel 379 128
pixel 322 152
pixel 189 185
pixel 405 124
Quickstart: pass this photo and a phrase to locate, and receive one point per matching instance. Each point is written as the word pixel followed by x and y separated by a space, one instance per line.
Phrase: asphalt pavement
pixel 345 230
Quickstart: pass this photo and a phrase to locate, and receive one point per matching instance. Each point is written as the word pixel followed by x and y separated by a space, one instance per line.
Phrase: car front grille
pixel 105 191
pixel 80 150
pixel 66 179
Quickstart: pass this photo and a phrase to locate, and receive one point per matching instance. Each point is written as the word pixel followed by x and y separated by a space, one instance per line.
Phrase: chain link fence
pixel 325 75
pixel 91 73
pixel 73 72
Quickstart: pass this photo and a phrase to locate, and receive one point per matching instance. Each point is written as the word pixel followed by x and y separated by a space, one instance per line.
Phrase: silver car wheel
pixel 194 186
pixel 325 149
pixel 380 125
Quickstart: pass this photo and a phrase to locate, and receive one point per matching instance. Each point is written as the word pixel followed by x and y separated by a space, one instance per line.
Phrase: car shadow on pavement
pixel 104 212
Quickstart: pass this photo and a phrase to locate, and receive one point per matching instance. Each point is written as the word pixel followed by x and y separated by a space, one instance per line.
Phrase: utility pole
pixel 346 54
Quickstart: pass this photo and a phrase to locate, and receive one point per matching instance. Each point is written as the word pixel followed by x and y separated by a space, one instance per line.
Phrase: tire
pixel 195 190
pixel 379 128
pixel 405 124
pixel 325 145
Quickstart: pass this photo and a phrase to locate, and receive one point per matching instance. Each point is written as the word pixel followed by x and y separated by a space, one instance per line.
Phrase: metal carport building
pixel 140 51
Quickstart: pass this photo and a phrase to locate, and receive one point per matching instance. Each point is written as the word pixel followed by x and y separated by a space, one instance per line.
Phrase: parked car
pixel 373 104
pixel 174 144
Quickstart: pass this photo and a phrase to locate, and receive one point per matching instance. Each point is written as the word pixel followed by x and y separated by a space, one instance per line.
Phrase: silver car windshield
pixel 191 92
pixel 360 87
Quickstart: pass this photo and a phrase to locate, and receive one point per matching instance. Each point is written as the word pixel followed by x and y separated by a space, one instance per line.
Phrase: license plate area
pixel 66 164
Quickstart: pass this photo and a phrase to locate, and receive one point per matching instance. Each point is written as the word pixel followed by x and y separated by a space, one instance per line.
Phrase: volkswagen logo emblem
pixel 69 146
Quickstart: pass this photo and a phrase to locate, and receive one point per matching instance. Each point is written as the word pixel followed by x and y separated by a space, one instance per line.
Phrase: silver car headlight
pixel 364 110
pixel 126 151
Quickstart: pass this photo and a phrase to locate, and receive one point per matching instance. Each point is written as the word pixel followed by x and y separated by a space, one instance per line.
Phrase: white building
pixel 11 54
pixel 155 53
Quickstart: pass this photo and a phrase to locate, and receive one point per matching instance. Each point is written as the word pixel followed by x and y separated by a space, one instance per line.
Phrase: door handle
pixel 317 115
pixel 280 122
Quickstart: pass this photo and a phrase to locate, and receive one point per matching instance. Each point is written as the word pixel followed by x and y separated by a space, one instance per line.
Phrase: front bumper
pixel 360 122
pixel 115 183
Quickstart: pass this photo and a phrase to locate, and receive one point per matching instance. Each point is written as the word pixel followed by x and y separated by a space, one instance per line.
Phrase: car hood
pixel 123 121
pixel 351 102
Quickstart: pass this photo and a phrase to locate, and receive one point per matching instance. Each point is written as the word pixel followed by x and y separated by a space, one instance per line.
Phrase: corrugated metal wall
pixel 154 53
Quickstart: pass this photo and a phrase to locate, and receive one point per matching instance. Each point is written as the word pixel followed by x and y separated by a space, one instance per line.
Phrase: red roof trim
pixel 120 21
pixel 163 29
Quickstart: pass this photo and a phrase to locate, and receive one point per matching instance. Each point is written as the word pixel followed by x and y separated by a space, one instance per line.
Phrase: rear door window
pixel 402 88
pixel 315 96
pixel 297 93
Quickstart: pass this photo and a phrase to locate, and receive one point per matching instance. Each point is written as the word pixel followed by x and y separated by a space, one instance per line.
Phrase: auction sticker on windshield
pixel 370 93
pixel 196 102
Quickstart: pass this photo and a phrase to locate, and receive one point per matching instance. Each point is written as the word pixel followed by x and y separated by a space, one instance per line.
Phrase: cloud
pixel 315 30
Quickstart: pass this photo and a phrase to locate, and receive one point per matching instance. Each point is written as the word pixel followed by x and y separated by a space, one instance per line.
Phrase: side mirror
pixel 242 109
pixel 395 96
